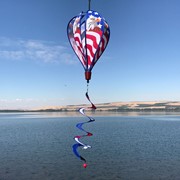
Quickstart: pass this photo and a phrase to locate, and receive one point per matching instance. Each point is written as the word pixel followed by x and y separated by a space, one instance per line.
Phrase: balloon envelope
pixel 88 35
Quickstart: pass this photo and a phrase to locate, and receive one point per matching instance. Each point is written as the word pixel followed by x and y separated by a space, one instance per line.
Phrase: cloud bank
pixel 29 103
pixel 36 50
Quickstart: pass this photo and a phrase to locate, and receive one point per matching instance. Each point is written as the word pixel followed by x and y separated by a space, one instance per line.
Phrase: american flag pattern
pixel 88 34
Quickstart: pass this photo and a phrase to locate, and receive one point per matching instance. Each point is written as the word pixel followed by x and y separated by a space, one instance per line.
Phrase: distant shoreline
pixel 138 106
pixel 127 110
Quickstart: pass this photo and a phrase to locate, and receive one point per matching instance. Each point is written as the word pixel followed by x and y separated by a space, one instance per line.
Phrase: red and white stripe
pixel 90 47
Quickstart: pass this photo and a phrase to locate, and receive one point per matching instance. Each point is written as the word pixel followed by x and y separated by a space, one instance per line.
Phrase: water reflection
pixel 93 113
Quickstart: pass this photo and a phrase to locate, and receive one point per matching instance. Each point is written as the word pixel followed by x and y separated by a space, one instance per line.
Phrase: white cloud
pixel 43 51
pixel 30 103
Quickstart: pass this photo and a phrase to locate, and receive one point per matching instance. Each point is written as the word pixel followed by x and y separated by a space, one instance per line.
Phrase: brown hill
pixel 123 106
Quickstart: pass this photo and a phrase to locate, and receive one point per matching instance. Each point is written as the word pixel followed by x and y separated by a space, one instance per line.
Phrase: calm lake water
pixel 132 146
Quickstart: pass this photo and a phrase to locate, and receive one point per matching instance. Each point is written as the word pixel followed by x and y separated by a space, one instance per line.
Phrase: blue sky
pixel 38 67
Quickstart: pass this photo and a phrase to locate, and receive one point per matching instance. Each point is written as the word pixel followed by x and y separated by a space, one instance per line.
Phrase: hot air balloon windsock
pixel 88 34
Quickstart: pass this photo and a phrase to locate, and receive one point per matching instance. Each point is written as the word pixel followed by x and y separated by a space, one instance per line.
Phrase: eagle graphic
pixel 93 23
